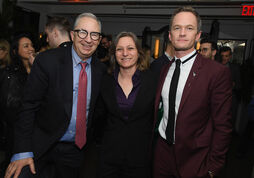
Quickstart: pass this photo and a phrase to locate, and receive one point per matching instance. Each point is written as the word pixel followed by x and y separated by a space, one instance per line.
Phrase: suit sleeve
pixel 221 100
pixel 34 91
pixel 100 116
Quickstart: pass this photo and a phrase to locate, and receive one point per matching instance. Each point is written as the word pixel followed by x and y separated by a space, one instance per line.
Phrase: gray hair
pixel 90 15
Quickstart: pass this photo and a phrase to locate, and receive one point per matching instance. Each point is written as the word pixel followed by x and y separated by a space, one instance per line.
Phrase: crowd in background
pixel 17 57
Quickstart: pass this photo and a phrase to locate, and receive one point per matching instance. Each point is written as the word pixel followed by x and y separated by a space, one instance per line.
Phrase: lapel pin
pixel 194 74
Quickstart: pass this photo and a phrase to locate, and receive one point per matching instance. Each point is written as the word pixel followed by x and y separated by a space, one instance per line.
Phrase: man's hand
pixel 15 167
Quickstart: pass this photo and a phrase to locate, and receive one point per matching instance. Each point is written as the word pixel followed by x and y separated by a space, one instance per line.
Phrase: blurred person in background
pixel 164 59
pixel 106 41
pixel 5 60
pixel 147 53
pixel 225 54
pixel 208 48
pixel 58 32
pixel 103 50
pixel 23 52
pixel 43 44
pixel 12 82
pixel 246 137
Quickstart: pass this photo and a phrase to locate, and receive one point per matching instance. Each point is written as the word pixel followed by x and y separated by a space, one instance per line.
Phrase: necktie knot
pixel 83 64
pixel 178 62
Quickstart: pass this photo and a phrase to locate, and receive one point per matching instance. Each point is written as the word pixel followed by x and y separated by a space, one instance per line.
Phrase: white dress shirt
pixel 184 73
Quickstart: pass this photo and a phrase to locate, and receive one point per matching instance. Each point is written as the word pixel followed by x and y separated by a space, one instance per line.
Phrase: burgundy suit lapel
pixel 192 78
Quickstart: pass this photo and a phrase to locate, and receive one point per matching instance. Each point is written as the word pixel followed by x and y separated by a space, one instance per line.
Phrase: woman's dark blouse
pixel 125 104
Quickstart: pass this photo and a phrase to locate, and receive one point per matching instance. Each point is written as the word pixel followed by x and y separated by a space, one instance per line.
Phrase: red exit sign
pixel 248 10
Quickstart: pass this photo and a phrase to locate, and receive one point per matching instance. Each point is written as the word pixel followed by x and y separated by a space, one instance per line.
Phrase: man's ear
pixel 169 36
pixel 198 36
pixel 55 32
pixel 214 52
pixel 72 35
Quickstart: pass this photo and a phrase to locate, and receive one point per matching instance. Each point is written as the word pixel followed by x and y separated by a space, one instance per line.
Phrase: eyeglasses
pixel 83 34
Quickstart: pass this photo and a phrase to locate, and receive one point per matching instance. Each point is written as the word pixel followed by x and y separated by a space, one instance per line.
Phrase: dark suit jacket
pixel 126 138
pixel 47 103
pixel 157 64
pixel 236 76
pixel 203 126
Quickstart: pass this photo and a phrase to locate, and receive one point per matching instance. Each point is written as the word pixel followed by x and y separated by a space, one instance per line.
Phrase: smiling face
pixel 126 53
pixel 25 48
pixel 184 32
pixel 85 47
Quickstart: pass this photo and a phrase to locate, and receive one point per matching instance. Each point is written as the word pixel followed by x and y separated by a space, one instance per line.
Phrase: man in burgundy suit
pixel 194 133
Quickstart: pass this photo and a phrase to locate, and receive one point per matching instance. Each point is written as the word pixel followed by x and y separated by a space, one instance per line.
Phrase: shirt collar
pixel 169 57
pixel 76 59
pixel 135 77
pixel 186 56
pixel 65 44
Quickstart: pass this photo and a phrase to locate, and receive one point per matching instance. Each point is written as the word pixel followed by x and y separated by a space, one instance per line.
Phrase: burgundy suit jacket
pixel 203 126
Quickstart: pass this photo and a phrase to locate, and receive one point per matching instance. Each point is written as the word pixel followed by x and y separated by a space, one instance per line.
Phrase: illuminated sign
pixel 248 10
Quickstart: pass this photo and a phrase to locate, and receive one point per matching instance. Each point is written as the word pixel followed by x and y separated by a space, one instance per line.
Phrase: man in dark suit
pixel 49 139
pixel 194 132
pixel 226 59
pixel 163 59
